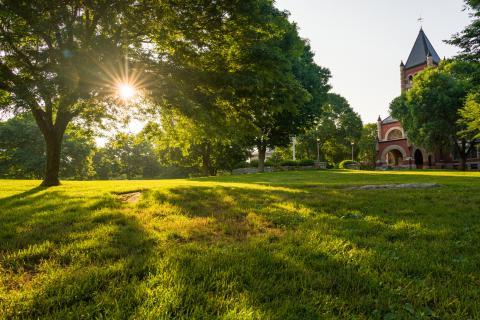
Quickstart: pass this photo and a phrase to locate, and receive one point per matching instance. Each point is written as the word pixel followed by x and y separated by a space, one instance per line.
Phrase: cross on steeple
pixel 420 20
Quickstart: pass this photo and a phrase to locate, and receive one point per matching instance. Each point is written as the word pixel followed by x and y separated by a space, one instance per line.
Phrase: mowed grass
pixel 290 245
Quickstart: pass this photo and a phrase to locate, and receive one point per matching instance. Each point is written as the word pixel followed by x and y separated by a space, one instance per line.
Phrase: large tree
pixel 206 148
pixel 367 145
pixel 335 128
pixel 128 156
pixel 430 110
pixel 62 60
pixel 22 151
pixel 266 84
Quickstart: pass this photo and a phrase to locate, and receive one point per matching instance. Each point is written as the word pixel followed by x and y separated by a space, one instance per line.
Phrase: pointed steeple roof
pixel 421 49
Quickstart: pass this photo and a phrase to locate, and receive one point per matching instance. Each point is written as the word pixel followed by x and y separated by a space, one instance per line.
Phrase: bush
pixel 346 164
pixel 367 166
pixel 289 163
pixel 253 164
pixel 306 163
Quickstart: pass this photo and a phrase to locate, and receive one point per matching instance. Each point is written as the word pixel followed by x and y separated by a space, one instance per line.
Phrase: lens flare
pixel 126 91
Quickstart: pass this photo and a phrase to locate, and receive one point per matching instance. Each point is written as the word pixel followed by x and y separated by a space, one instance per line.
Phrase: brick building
pixel 394 149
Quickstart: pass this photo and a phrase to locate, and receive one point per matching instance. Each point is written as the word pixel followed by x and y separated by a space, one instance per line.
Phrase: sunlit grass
pixel 289 245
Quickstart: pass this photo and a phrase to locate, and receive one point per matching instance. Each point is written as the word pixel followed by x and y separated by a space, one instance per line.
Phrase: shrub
pixel 253 163
pixel 289 163
pixel 345 164
pixel 306 162
pixel 269 163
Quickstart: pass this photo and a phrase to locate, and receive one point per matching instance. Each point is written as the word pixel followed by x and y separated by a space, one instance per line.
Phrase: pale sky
pixel 363 41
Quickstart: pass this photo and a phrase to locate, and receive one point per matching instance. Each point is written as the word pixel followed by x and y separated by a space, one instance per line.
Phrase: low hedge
pixel 345 164
pixel 285 163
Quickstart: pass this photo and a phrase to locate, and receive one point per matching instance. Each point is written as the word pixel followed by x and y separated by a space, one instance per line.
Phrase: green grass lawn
pixel 289 245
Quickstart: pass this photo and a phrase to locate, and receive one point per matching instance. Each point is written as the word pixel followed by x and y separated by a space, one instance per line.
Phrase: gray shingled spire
pixel 421 49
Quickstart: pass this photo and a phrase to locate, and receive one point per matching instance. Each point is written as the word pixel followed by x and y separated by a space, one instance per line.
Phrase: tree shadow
pixel 239 251
pixel 71 257
pixel 348 178
pixel 24 194
pixel 326 235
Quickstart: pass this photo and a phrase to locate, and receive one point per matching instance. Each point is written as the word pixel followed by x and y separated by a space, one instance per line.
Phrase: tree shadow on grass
pixel 235 252
pixel 316 253
pixel 347 178
pixel 70 257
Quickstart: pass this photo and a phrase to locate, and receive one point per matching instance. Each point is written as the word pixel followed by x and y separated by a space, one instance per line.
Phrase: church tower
pixel 394 149
pixel 423 55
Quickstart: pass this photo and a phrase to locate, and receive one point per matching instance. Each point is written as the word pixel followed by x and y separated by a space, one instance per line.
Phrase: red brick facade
pixel 395 150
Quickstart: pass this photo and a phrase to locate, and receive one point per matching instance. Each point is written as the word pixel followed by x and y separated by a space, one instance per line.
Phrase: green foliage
pixel 367 153
pixel 346 164
pixel 237 64
pixel 63 62
pixel 179 141
pixel 470 116
pixel 218 247
pixel 336 127
pixel 467 39
pixel 128 156
pixel 22 151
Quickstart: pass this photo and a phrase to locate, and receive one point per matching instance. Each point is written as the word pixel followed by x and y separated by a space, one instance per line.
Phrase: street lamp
pixel 352 143
pixel 318 150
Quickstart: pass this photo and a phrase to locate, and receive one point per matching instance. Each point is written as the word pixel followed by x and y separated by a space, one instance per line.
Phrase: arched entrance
pixel 418 158
pixel 394 157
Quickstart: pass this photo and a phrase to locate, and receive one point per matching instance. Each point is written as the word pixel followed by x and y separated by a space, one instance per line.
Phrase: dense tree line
pixel 235 72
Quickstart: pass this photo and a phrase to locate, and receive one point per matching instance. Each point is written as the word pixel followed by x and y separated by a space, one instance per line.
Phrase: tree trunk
pixel 207 168
pixel 463 162
pixel 463 154
pixel 53 135
pixel 52 169
pixel 262 149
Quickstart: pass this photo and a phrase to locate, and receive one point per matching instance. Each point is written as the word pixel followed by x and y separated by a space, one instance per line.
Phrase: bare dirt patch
pixel 131 197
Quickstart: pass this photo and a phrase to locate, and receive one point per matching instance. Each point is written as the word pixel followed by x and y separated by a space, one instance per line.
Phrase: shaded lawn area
pixel 290 245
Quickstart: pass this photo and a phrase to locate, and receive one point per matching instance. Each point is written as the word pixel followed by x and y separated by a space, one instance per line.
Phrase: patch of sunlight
pixel 159 211
pixel 345 250
pixel 31 253
pixel 374 220
pixel 294 208
pixel 183 227
pixel 403 225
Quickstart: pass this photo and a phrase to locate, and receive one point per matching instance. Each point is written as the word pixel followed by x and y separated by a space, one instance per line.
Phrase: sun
pixel 126 91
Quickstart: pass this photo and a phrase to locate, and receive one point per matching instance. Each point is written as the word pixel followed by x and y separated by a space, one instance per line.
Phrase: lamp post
pixel 318 150
pixel 294 144
pixel 352 143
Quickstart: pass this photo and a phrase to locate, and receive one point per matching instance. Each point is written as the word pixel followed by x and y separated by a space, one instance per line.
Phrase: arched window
pixel 395 134
pixel 410 78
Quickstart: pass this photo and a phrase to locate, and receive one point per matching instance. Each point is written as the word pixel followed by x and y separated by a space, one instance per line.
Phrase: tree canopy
pixel 468 40
pixel 336 126
pixel 232 76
